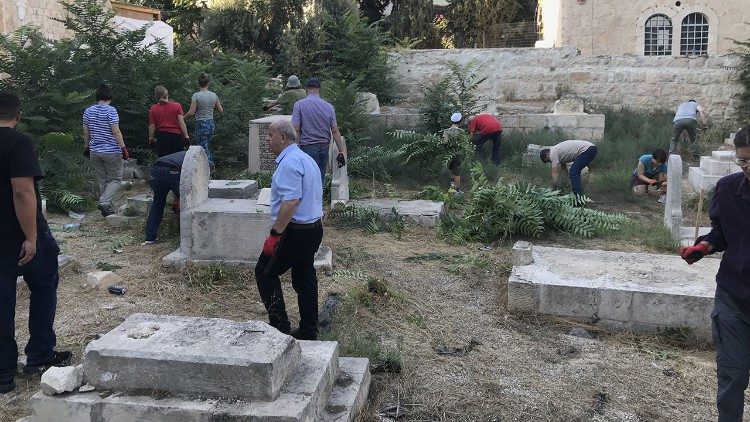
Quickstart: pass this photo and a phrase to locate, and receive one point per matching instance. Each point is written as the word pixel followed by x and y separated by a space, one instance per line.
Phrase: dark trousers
pixel 479 141
pixel 584 159
pixel 42 278
pixel 162 180
pixel 296 251
pixel 689 125
pixel 168 143
pixel 731 335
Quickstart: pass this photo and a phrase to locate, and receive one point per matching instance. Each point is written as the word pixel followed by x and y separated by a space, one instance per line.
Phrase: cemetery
pixel 507 297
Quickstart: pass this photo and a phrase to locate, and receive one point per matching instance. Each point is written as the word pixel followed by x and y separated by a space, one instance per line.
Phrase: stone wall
pixel 16 13
pixel 604 27
pixel 528 74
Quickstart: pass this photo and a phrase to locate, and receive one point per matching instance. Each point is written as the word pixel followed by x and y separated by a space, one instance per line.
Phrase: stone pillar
pixel 339 177
pixel 522 253
pixel 194 179
pixel 673 207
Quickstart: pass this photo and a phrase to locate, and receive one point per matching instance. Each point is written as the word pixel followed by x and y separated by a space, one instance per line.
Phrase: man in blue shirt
pixel 651 171
pixel 314 119
pixel 296 210
pixel 730 233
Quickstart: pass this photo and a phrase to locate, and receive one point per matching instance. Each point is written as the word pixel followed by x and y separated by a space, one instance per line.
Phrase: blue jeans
pixel 584 159
pixel 319 153
pixel 204 131
pixel 162 180
pixel 42 278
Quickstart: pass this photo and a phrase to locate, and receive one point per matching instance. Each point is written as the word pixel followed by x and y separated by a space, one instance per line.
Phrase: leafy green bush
pixel 453 93
pixel 521 210
pixel 427 150
pixel 64 182
pixel 743 48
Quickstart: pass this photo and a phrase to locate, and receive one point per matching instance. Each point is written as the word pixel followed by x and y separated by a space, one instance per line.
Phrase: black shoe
pixel 300 335
pixel 105 210
pixel 7 386
pixel 57 359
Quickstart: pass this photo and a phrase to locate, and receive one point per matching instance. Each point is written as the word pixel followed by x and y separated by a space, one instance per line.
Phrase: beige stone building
pixel 645 27
pixel 42 13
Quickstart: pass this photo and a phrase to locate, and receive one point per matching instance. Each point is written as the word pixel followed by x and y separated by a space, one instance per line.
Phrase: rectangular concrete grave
pixel 229 229
pixel 616 289
pixel 232 189
pixel 200 356
pixel 420 212
pixel 350 392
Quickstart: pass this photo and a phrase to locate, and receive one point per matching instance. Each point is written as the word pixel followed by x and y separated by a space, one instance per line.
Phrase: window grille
pixel 694 36
pixel 658 36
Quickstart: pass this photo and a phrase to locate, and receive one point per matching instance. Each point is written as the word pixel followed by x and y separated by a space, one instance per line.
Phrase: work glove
pixel 271 244
pixel 186 141
pixel 125 153
pixel 692 254
pixel 341 160
pixel 86 152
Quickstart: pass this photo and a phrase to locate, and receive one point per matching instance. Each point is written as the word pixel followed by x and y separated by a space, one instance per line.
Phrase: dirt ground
pixel 508 367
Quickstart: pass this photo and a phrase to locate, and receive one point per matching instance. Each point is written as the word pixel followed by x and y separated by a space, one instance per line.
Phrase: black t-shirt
pixel 17 159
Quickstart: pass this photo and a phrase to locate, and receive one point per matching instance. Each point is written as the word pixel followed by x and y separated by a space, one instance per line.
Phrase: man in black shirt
pixel 730 233
pixel 27 249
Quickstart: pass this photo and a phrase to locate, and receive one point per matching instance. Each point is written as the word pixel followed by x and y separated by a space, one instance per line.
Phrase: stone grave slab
pixel 637 291
pixel 350 391
pixel 229 229
pixel 201 356
pixel 232 189
pixel 420 212
pixel 259 156
pixel 673 206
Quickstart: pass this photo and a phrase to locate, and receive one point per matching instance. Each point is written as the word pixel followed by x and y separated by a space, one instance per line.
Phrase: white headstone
pixel 673 207
pixel 194 180
pixel 339 178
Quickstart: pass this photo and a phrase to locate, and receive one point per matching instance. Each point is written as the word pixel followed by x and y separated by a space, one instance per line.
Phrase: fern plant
pixel 520 209
pixel 428 149
pixel 64 181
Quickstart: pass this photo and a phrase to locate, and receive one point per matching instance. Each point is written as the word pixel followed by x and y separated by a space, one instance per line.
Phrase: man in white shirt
pixel 579 153
pixel 686 119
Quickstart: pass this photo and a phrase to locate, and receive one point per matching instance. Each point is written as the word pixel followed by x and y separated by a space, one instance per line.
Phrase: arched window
pixel 694 36
pixel 658 36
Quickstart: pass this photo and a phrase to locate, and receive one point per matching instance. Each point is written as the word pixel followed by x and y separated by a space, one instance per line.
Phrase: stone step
pixel 350 391
pixel 619 290
pixel 232 189
pixel 303 398
pixel 718 167
pixel 139 204
pixel 727 156
pixel 420 212
pixel 229 229
pixel 189 355
pixel 699 179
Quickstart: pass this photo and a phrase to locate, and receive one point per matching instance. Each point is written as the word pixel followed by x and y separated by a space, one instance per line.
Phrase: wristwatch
pixel 275 233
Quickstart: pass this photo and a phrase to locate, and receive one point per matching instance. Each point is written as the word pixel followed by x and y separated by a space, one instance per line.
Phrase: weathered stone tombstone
pixel 260 159
pixel 339 178
pixel 209 369
pixel 673 207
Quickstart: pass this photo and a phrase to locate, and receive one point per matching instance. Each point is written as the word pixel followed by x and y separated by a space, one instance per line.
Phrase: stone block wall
pixel 260 158
pixel 16 13
pixel 527 74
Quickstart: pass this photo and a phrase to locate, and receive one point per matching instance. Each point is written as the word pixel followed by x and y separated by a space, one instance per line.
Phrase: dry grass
pixel 525 368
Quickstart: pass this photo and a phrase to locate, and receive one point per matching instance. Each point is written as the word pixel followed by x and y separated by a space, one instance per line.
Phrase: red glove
pixel 271 244
pixel 125 153
pixel 694 253
pixel 151 141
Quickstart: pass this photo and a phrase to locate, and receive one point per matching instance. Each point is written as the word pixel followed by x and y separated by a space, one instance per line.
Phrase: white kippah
pixel 456 117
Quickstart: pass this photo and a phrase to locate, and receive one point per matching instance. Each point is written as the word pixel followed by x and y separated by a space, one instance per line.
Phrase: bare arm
pixel 642 173
pixel 556 175
pixel 286 212
pixel 183 128
pixel 117 134
pixel 296 129
pixel 339 141
pixel 191 112
pixel 24 202
pixel 86 136
pixel 218 106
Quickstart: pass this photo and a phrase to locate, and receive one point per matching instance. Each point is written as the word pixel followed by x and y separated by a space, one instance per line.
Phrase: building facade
pixel 645 27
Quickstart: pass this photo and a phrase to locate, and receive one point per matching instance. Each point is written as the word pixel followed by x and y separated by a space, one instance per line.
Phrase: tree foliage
pixel 520 209
pixel 743 48
pixel 469 21
pixel 456 92
pixel 414 20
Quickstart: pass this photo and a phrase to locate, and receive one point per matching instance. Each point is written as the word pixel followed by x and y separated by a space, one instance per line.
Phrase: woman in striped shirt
pixel 105 147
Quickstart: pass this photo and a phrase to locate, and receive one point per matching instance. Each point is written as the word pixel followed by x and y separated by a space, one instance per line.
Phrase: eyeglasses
pixel 742 162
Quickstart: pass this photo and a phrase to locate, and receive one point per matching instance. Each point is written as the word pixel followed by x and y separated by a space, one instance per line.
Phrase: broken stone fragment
pixel 101 279
pixel 58 380
pixel 85 388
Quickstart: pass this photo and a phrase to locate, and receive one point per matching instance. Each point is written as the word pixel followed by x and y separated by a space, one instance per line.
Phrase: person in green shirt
pixel 294 92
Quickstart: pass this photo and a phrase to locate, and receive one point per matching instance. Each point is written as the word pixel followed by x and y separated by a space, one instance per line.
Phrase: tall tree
pixel 373 9
pixel 471 20
pixel 414 19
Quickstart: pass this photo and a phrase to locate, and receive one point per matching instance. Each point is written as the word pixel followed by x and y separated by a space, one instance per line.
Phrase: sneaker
pixel 57 359
pixel 662 199
pixel 105 210
pixel 150 242
pixel 7 386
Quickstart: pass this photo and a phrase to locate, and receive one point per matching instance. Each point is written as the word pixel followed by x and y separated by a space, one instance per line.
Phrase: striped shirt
pixel 315 118
pixel 99 119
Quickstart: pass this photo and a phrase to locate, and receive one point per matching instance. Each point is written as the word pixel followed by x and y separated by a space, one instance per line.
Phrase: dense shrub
pixel 456 92
pixel 743 48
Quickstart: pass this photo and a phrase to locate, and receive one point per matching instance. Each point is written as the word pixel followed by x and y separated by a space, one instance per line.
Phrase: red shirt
pixel 164 117
pixel 485 124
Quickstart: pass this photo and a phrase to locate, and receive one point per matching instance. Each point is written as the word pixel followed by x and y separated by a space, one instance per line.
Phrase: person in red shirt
pixel 482 128
pixel 166 124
